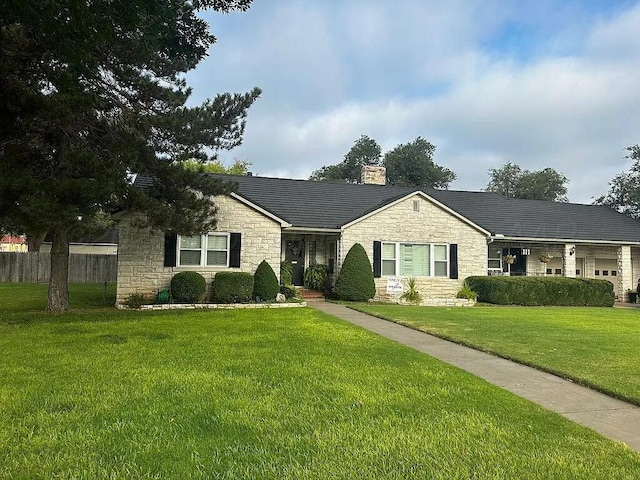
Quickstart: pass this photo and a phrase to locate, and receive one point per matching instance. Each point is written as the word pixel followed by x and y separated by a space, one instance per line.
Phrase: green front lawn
pixel 263 394
pixel 598 347
pixel 22 297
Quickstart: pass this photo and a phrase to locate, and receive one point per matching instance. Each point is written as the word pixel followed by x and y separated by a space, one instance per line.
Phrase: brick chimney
pixel 373 175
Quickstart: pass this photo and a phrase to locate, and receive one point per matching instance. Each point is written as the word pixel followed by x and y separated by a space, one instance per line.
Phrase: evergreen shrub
pixel 188 287
pixel 232 287
pixel 265 282
pixel 531 291
pixel 286 273
pixel 355 282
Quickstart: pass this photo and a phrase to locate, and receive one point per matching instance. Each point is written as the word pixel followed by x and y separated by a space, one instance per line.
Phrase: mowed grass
pixel 269 394
pixel 23 297
pixel 597 347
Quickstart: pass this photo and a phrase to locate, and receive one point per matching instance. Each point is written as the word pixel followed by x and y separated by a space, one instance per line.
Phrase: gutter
pixel 501 237
pixel 312 230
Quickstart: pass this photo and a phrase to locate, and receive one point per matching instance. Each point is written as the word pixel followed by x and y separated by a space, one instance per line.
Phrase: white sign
pixel 394 286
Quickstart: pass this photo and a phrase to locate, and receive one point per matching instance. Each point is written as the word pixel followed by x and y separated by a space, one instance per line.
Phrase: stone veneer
pixel 141 250
pixel 431 224
pixel 373 175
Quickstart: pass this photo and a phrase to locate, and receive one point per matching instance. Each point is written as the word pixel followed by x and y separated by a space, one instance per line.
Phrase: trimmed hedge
pixel 265 283
pixel 355 281
pixel 558 291
pixel 188 287
pixel 232 287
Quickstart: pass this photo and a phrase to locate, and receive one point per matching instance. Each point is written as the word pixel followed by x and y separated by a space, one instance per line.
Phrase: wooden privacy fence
pixel 35 267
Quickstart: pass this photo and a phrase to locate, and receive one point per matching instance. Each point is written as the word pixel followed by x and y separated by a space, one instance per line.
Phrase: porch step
pixel 308 294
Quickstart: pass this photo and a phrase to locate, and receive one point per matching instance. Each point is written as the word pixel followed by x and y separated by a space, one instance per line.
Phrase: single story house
pixel 438 237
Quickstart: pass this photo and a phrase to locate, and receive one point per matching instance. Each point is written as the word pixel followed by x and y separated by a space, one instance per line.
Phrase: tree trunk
pixel 34 241
pixel 58 297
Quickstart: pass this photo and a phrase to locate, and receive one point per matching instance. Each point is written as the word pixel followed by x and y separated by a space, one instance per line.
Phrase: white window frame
pixel 432 260
pixel 204 248
pixel 498 253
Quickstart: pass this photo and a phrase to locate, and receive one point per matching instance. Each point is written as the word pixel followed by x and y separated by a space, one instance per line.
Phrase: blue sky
pixel 545 83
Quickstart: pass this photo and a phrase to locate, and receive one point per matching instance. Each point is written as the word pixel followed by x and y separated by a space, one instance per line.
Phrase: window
pixel 605 273
pixel 389 259
pixel 332 257
pixel 440 261
pixel 204 250
pixel 415 260
pixel 495 258
pixel 416 206
pixel 597 273
pixel 313 249
pixel 217 250
pixel 614 273
pixel 190 250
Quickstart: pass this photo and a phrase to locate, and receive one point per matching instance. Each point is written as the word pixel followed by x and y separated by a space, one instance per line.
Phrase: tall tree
pixel 511 181
pixel 93 92
pixel 365 151
pixel 504 180
pixel 624 188
pixel 412 164
pixel 545 184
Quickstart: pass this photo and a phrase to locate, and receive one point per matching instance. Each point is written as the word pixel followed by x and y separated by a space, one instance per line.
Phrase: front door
pixel 294 253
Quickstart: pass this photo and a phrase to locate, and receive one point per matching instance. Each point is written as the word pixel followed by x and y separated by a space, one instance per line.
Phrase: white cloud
pixel 333 72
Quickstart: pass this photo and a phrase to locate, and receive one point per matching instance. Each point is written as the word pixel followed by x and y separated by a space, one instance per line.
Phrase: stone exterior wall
pixel 431 224
pixel 141 251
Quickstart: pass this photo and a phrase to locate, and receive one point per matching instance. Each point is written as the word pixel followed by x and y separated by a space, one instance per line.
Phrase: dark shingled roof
pixel 304 203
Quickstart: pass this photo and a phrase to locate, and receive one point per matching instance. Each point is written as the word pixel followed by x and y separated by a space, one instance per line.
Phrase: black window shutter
pixel 170 247
pixel 377 259
pixel 235 245
pixel 453 260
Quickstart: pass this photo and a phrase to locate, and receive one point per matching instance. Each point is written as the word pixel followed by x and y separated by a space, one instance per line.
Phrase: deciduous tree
pixel 238 167
pixel 624 188
pixel 511 181
pixel 408 164
pixel 365 151
pixel 412 165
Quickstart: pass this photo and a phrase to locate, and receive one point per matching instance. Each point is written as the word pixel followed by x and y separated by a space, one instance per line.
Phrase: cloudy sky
pixel 541 83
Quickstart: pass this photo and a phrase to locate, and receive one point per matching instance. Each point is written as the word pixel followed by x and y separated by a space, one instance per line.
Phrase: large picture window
pixel 415 259
pixel 210 250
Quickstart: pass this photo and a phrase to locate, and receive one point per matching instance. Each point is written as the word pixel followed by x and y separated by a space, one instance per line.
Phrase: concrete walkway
pixel 612 418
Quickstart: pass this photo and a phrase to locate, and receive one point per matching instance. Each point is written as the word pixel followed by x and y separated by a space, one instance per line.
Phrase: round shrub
pixel 265 282
pixel 355 281
pixel 188 287
pixel 232 287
